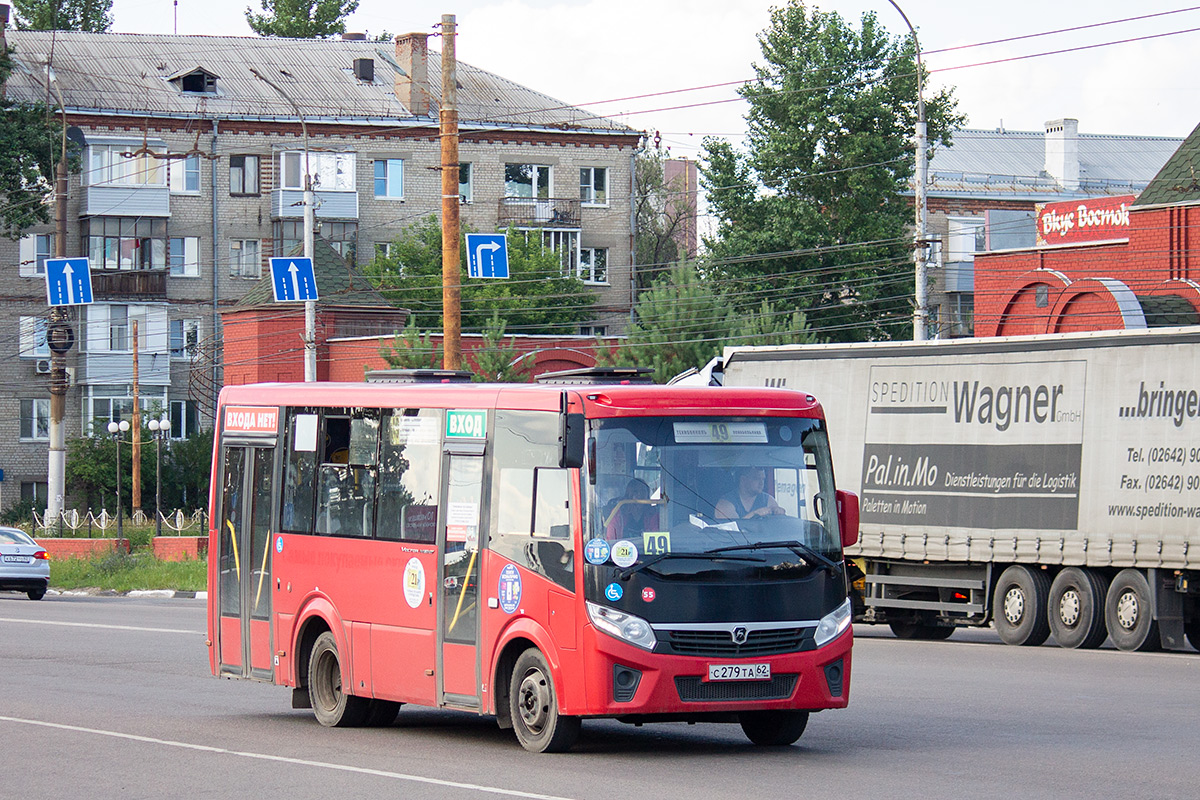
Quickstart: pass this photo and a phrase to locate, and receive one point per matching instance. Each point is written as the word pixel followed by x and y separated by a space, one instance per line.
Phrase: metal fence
pixel 75 523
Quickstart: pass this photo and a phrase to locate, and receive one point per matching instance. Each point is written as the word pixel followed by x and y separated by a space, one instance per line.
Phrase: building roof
pixel 338 283
pixel 125 73
pixel 1177 181
pixel 1000 163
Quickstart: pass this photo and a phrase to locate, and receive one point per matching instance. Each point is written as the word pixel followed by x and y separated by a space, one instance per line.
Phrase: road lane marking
pixel 97 625
pixel 379 773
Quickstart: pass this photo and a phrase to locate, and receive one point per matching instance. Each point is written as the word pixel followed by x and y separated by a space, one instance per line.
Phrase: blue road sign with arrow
pixel 487 255
pixel 293 280
pixel 68 282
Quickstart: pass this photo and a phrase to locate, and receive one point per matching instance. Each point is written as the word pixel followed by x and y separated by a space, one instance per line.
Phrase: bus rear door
pixel 244 644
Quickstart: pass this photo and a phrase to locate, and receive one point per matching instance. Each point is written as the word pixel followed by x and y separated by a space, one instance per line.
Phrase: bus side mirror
pixel 572 441
pixel 847 503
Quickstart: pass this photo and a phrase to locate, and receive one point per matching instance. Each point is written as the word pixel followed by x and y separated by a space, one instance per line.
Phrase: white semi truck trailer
pixel 1045 484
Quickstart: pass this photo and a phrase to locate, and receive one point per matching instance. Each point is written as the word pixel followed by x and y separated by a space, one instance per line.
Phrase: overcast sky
pixel 589 51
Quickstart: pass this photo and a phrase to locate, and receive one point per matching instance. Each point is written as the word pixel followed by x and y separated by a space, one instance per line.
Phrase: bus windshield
pixel 738 485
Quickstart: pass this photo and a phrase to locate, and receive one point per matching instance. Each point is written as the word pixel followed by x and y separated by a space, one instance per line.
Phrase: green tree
pixel 660 213
pixel 92 472
pixel 92 16
pixel 186 471
pixel 301 19
pixel 818 195
pixel 30 148
pixel 536 298
pixel 496 360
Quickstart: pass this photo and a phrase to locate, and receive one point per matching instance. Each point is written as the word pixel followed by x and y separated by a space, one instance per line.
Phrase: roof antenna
pixel 176 17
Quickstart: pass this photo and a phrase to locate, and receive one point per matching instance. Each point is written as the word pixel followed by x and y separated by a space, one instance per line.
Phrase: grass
pixel 124 572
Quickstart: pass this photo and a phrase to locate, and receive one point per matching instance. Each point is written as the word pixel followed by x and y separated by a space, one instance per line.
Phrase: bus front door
pixel 244 587
pixel 458 550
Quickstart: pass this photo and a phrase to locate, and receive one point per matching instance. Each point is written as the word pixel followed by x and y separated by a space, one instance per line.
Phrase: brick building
pixel 984 191
pixel 1129 264
pixel 191 177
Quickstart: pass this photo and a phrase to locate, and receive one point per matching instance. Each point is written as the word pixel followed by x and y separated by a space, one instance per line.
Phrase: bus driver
pixel 748 499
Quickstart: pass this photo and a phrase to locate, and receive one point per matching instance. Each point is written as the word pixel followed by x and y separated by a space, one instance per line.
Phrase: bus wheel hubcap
pixel 534 700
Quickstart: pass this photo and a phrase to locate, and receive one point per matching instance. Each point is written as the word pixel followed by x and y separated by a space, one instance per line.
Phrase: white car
pixel 24 564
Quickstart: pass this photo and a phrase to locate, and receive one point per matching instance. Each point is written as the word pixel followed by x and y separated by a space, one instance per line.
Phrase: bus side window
pixel 300 471
pixel 410 460
pixel 530 493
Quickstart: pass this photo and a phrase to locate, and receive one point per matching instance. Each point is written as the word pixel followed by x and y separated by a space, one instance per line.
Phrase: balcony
pixel 289 204
pixel 527 212
pixel 127 201
pixel 139 284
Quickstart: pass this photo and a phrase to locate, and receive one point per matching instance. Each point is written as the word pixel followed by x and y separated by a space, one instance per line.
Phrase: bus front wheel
pixel 773 728
pixel 332 707
pixel 533 705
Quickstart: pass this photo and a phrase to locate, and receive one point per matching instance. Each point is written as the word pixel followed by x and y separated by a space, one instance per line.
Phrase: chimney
pixel 1062 152
pixel 364 69
pixel 354 37
pixel 3 16
pixel 412 87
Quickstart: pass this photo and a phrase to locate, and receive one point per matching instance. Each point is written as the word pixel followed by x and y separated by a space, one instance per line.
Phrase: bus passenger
pixel 749 499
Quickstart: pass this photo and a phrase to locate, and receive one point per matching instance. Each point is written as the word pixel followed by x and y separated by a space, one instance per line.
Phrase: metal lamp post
pixel 116 429
pixel 159 429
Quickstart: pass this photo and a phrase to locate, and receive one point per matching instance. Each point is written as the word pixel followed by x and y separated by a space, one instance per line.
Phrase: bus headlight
pixel 833 624
pixel 620 625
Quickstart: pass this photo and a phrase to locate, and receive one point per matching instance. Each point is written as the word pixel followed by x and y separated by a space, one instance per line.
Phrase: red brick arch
pixel 1094 304
pixel 1021 314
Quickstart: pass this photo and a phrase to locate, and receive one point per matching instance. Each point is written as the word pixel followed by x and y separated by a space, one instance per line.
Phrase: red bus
pixel 540 553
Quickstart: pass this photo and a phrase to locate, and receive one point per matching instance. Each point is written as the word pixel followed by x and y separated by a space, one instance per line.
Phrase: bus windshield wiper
pixel 799 548
pixel 623 574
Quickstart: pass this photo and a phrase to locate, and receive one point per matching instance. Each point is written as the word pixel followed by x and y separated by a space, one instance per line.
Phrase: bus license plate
pixel 739 672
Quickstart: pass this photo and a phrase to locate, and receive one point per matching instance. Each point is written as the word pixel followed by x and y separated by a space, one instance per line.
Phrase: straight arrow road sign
pixel 292 280
pixel 487 255
pixel 68 282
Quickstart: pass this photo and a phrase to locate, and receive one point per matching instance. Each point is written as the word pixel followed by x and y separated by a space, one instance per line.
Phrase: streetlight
pixel 116 429
pixel 160 429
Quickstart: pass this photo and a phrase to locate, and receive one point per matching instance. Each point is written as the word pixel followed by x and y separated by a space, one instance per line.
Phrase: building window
pixel 185 421
pixel 115 402
pixel 245 260
pixel 566 244
pixel 389 178
pixel 35 492
pixel 33 337
pixel 185 336
pixel 527 180
pixel 593 330
pixel 243 175
pixel 331 172
pixel 383 249
pixel 465 190
pixel 341 236
pixel 1041 296
pixel 116 165
pixel 126 242
pixel 593 264
pixel 35 249
pixel 184 174
pixel 35 419
pixel 118 328
pixel 185 257
pixel 593 186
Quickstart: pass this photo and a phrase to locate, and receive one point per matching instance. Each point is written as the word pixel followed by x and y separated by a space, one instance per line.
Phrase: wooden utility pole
pixel 135 423
pixel 451 272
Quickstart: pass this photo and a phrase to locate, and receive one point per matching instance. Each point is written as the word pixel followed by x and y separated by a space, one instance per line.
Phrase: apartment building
pixel 192 176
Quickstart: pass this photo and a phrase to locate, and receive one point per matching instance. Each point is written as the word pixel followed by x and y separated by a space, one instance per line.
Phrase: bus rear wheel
pixel 1076 609
pixel 1019 606
pixel 533 706
pixel 332 707
pixel 773 728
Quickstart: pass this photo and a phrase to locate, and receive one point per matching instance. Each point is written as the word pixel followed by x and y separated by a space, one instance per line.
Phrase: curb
pixel 142 593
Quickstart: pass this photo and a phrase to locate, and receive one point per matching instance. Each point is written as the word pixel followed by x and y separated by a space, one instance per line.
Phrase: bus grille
pixel 694 689
pixel 719 644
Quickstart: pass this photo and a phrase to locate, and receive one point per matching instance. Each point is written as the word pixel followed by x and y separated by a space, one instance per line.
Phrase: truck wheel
pixel 1076 609
pixel 1019 606
pixel 773 728
pixel 1129 612
pixel 533 706
pixel 332 707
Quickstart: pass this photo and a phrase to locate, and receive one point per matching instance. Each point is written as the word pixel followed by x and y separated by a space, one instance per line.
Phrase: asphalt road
pixel 112 698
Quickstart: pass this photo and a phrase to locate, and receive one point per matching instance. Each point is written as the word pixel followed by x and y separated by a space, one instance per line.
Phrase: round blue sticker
pixel 509 588
pixel 278 544
pixel 596 551
pixel 614 591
